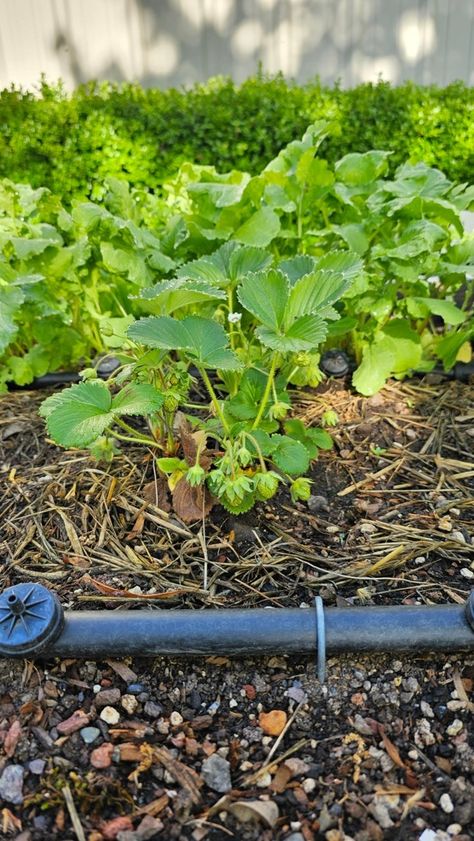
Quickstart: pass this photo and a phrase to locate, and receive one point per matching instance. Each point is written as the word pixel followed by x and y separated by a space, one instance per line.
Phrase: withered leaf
pixel 12 738
pixel 190 441
pixel 156 492
pixel 107 590
pixel 191 503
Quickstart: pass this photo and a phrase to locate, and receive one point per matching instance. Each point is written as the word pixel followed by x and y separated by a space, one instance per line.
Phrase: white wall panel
pixel 176 42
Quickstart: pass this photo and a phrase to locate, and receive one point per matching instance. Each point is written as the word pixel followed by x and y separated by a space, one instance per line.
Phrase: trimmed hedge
pixel 70 143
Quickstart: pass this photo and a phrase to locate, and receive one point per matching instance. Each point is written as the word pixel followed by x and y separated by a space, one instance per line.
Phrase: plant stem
pixel 266 393
pixel 147 441
pixel 214 399
pixel 137 437
pixel 230 304
pixel 259 452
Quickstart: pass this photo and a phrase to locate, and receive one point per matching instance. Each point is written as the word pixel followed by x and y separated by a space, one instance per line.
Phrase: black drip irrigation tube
pixel 105 368
pixel 33 624
pixel 336 363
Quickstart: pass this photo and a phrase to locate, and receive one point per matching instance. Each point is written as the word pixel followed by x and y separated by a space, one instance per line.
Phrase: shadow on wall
pixel 175 42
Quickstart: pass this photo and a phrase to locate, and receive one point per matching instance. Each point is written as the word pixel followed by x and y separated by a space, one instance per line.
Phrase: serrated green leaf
pixel 228 264
pixel 160 332
pixel 205 340
pixel 304 334
pixel 333 275
pixel 290 455
pixel 79 414
pixel 321 438
pixel 297 267
pixel 265 295
pixel 240 507
pixel 260 229
pixel 137 399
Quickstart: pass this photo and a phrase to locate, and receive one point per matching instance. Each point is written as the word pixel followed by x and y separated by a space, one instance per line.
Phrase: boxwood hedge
pixel 70 142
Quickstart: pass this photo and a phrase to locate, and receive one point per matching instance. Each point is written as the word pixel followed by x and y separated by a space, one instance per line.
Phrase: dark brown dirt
pixel 384 751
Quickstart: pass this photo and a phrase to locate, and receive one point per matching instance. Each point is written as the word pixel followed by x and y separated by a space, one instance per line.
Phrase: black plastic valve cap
pixel 335 363
pixel 31 617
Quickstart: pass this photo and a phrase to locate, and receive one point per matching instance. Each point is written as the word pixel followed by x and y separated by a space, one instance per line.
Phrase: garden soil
pixel 215 748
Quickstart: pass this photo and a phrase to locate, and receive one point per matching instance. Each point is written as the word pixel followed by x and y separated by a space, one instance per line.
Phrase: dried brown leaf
pixel 191 503
pixel 12 738
pixel 156 492
pixel 107 590
pixel 191 441
pixel 392 750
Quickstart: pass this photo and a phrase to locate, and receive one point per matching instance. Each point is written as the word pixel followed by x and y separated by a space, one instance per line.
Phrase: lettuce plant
pixel 238 321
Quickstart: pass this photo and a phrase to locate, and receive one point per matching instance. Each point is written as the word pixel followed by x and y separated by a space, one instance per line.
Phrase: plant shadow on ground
pixel 368 757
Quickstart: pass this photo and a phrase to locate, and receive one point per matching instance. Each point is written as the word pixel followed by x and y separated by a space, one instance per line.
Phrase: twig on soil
pixel 76 823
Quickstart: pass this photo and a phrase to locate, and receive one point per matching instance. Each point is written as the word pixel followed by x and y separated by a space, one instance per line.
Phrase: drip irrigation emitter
pixel 33 624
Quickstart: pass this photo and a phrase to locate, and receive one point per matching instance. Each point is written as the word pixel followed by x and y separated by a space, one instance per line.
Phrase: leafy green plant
pixel 74 142
pixel 67 278
pixel 242 447
pixel 410 306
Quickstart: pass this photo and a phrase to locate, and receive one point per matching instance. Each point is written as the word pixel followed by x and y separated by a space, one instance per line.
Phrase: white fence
pixel 175 42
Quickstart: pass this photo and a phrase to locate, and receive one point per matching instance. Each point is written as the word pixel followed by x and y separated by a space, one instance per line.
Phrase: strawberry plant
pixel 410 306
pixel 239 321
pixel 66 278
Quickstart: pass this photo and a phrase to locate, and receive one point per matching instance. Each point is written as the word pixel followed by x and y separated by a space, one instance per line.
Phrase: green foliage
pixel 73 143
pixel 249 368
pixel 67 279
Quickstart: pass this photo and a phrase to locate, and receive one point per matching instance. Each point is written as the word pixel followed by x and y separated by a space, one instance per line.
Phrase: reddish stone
pixel 111 829
pixel 250 691
pixel 77 720
pixel 101 757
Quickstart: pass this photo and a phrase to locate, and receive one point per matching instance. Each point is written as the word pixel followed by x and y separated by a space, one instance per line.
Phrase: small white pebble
pixel 129 703
pixel 233 703
pixel 413 754
pixel 454 828
pixel 426 709
pixel 246 765
pixel 455 727
pixel 467 573
pixel 446 803
pixel 96 688
pixel 110 715
pixel 420 559
pixel 176 719
pixel 458 535
pixel 264 780
pixel 267 740
pixel 308 785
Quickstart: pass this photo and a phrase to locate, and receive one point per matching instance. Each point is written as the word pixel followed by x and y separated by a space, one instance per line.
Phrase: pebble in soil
pixel 331 780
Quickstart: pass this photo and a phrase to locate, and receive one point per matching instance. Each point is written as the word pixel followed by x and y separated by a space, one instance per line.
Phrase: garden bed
pixel 384 746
